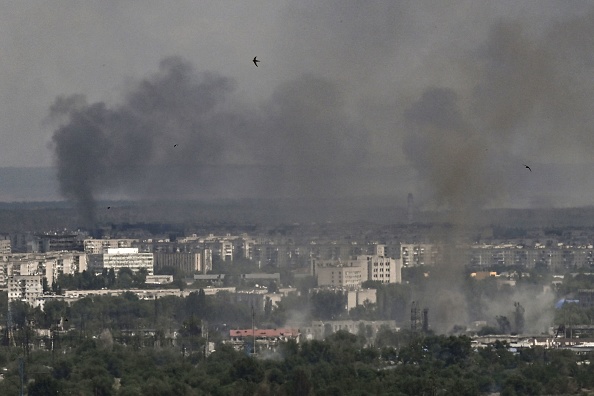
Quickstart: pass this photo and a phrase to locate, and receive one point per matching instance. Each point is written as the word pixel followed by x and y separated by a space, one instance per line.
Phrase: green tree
pixel 44 386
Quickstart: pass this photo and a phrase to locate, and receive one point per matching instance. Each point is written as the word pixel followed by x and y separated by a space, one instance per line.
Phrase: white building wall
pixel 26 288
pixel 118 258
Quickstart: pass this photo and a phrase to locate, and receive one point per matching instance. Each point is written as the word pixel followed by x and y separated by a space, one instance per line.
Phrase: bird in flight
pixel 527 167
pixel 255 61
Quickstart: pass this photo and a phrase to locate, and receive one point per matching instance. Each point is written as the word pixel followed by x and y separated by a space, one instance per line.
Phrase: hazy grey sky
pixel 463 91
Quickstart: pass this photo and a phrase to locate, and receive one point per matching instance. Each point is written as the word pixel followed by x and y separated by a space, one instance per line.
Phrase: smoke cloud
pixel 383 86
pixel 179 133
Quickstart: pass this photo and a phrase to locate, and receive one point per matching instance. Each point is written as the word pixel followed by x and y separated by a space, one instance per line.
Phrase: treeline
pixel 107 279
pixel 340 365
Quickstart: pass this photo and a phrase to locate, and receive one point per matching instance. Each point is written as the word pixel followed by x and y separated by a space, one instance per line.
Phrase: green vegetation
pixel 340 365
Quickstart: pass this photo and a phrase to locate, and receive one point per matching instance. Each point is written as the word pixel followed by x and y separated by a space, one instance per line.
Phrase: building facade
pixel 26 288
pixel 118 258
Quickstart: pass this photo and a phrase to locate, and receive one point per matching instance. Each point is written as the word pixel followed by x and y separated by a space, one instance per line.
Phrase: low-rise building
pixel 265 339
pixel 321 329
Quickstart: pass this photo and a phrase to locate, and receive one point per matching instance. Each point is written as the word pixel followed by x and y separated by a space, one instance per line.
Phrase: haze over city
pixel 447 101
pixel 297 197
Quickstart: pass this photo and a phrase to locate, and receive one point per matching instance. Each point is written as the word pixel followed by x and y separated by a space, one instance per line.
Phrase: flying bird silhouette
pixel 255 61
pixel 527 167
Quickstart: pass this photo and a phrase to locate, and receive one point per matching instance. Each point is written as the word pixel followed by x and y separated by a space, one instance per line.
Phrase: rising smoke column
pixel 178 132
pixel 99 148
pixel 462 142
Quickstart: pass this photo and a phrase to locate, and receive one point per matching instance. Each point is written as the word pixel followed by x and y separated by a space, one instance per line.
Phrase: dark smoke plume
pixel 180 134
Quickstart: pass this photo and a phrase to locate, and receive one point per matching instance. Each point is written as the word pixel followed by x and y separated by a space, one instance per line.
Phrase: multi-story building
pixel 321 329
pixel 48 265
pixel 118 258
pixel 413 255
pixel 66 242
pixel 383 269
pixel 351 274
pixel 557 258
pixel 27 288
pixel 190 263
pixel 5 244
pixel 360 297
pixel 206 261
pixel 96 246
pixel 343 276
pixel 226 248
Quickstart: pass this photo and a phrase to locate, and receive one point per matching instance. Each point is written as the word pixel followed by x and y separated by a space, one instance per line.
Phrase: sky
pixel 449 100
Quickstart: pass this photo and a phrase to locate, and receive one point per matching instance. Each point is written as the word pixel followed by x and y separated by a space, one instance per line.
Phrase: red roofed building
pixel 265 338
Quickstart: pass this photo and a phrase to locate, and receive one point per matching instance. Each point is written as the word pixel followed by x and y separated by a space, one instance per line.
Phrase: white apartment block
pixel 413 255
pixel 226 250
pixel 27 288
pixel 383 269
pixel 349 277
pixel 5 245
pixel 96 246
pixel 118 258
pixel 359 297
pixel 353 273
pixel 47 265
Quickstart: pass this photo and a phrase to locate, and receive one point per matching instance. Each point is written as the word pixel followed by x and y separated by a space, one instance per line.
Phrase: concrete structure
pixel 321 329
pixel 27 288
pixel 413 255
pixel 96 246
pixel 190 263
pixel 261 276
pixel 206 261
pixel 348 276
pixel 48 265
pixel 158 279
pixel 66 242
pixel 558 257
pixel 383 269
pixel 359 297
pixel 118 258
pixel 5 244
pixel 266 339
pixel 351 274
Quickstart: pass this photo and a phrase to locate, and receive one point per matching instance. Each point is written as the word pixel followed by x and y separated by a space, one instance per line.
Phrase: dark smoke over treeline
pixel 176 129
pixel 465 120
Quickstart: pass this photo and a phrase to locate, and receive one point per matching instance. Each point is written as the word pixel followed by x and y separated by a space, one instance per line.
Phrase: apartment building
pixel 96 246
pixel 48 265
pixel 413 255
pixel 190 263
pixel 27 288
pixel 352 273
pixel 118 258
pixel 5 244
